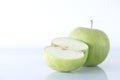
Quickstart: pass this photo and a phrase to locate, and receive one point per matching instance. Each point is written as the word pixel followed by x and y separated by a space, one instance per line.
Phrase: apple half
pixel 65 54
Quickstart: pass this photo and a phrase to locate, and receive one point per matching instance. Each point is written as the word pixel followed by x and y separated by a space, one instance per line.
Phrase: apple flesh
pixel 97 41
pixel 65 54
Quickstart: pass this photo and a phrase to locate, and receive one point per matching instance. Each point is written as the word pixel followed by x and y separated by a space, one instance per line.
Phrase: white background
pixel 27 26
pixel 34 23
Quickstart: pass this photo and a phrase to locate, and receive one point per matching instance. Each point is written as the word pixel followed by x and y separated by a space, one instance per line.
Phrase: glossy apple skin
pixel 97 41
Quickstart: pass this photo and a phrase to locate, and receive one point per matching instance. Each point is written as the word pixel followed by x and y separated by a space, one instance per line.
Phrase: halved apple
pixel 65 54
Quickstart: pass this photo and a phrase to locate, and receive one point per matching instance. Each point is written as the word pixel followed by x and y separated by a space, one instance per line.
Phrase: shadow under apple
pixel 84 73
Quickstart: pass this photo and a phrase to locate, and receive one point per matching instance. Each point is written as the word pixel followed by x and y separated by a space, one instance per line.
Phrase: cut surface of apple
pixel 69 43
pixel 65 54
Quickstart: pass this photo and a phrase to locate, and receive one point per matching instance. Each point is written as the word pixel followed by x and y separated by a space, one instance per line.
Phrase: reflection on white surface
pixel 28 64
pixel 85 73
pixel 21 64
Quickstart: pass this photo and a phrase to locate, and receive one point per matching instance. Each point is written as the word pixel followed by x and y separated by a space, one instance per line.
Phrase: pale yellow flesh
pixel 69 43
pixel 61 53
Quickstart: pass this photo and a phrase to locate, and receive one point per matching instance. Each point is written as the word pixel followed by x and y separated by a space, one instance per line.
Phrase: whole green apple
pixel 97 41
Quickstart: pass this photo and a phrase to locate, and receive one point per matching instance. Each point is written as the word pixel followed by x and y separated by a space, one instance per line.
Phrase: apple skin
pixel 97 41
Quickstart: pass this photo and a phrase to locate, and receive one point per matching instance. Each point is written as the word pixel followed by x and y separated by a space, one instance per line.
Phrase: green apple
pixel 97 41
pixel 65 54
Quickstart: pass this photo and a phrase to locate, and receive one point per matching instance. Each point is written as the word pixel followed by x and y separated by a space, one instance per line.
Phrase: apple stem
pixel 91 23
